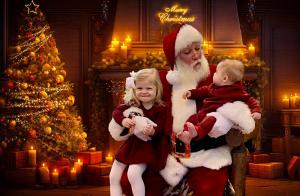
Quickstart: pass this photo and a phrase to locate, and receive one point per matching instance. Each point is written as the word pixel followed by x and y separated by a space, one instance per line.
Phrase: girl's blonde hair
pixel 150 74
pixel 233 68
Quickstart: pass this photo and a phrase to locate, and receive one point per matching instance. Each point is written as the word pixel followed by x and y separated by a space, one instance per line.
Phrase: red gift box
pixel 267 170
pixel 277 157
pixel 100 169
pixel 97 180
pixel 261 158
pixel 21 177
pixel 63 166
pixel 90 158
pixel 278 145
pixel 293 166
pixel 16 159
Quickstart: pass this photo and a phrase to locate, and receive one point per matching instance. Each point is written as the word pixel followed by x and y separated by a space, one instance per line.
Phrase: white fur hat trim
pixel 186 35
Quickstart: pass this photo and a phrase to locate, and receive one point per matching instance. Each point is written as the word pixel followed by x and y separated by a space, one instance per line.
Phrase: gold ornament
pixel 53 68
pixel 12 124
pixel 32 54
pixel 63 72
pixel 83 134
pixel 46 67
pixel 58 60
pixel 18 49
pixel 18 74
pixel 25 60
pixel 55 51
pixel 62 107
pixel 9 71
pixel 59 79
pixel 43 119
pixel 44 94
pixel 26 98
pixel 37 40
pixel 48 130
pixel 71 100
pixel 61 115
pixel 24 85
pixel 46 73
pixel 42 36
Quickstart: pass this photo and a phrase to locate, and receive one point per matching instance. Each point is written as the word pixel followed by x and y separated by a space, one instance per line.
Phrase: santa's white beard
pixel 182 109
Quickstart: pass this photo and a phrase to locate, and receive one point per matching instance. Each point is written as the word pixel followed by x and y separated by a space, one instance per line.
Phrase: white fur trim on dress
pixel 221 126
pixel 115 130
pixel 215 158
pixel 186 35
pixel 173 171
pixel 239 113
pixel 132 109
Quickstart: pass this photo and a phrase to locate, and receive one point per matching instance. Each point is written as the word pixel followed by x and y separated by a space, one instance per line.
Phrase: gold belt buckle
pixel 185 154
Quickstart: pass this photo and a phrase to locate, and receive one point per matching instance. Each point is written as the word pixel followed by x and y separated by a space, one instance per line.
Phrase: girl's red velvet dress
pixel 135 150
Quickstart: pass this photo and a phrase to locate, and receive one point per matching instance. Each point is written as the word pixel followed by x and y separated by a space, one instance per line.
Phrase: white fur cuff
pixel 173 172
pixel 115 130
pixel 221 126
pixel 239 113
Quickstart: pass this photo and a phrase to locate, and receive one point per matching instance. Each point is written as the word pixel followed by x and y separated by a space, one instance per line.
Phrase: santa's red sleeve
pixel 118 113
pixel 200 93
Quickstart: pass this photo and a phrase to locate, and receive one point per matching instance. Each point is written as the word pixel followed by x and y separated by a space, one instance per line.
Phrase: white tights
pixel 134 174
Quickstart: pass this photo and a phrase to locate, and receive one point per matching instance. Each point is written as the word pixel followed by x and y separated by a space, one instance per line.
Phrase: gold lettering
pixel 170 14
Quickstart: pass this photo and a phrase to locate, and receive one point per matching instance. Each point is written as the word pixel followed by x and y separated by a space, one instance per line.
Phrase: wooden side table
pixel 289 118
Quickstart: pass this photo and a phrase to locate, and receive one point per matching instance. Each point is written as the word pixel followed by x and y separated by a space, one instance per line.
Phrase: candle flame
pixel 78 161
pixel 43 164
pixel 31 147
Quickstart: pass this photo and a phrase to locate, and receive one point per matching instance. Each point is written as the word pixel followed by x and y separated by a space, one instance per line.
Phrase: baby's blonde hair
pixel 150 74
pixel 233 68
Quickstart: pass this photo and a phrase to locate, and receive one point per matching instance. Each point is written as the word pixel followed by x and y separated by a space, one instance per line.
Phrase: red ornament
pixel 10 85
pixel 29 35
pixel 31 133
pixel 32 77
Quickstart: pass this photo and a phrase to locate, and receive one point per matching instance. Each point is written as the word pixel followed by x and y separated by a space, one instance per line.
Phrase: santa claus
pixel 206 167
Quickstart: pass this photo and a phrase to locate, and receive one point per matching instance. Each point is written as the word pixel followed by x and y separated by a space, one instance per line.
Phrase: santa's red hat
pixel 178 39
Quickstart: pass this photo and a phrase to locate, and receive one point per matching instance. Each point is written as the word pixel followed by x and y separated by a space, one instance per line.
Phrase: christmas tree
pixel 37 105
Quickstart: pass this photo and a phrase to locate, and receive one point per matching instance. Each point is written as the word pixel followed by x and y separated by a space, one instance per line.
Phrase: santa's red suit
pixel 206 169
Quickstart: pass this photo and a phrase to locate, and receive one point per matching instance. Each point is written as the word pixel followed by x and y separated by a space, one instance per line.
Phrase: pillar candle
pixel 251 50
pixel 78 166
pixel 44 174
pixel 55 176
pixel 73 175
pixel 286 102
pixel 123 52
pixel 116 44
pixel 205 47
pixel 109 159
pixel 128 42
pixel 32 157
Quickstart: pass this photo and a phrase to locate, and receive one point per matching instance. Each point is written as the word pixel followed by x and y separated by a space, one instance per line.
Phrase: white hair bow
pixel 130 80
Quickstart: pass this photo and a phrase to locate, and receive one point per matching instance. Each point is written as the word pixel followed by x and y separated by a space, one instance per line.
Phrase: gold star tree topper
pixel 32 7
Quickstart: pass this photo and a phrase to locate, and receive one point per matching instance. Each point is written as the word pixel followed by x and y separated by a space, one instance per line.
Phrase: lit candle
pixel 32 157
pixel 73 175
pixel 205 47
pixel 293 100
pixel 44 174
pixel 109 159
pixel 78 166
pixel 123 52
pixel 210 49
pixel 286 102
pixel 112 50
pixel 116 44
pixel 128 42
pixel 55 176
pixel 251 50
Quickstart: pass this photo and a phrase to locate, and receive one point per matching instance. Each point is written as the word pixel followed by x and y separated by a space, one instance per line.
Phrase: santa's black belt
pixel 202 144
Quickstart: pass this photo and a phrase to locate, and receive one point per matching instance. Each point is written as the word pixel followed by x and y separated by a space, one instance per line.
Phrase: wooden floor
pixel 254 187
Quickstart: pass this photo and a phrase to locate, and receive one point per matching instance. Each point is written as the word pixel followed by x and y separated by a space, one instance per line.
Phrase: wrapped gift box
pixel 278 145
pixel 90 158
pixel 99 169
pixel 17 159
pixel 97 180
pixel 21 177
pixel 294 165
pixel 296 145
pixel 277 157
pixel 261 158
pixel 267 170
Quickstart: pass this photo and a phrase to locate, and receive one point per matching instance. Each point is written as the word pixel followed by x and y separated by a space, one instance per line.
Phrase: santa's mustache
pixel 196 62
